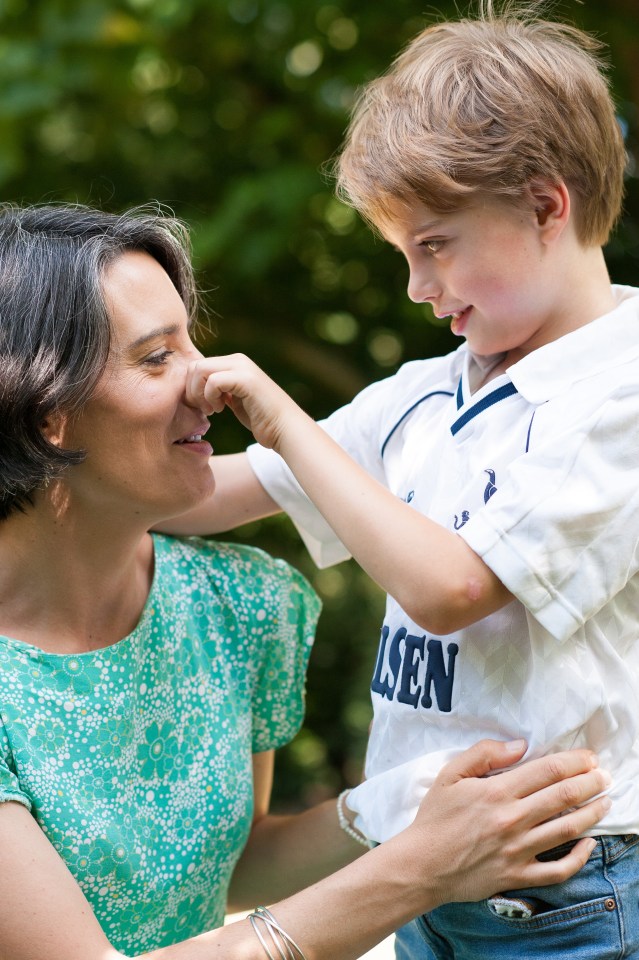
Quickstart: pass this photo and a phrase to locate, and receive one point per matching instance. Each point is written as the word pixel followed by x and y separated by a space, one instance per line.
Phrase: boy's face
pixel 488 268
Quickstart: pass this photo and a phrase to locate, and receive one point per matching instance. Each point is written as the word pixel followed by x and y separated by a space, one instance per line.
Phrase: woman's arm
pixel 286 853
pixel 466 843
pixel 43 912
pixel 238 498
pixel 431 572
pixel 471 837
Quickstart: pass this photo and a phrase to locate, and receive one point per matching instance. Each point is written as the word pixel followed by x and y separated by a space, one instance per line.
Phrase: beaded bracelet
pixel 345 823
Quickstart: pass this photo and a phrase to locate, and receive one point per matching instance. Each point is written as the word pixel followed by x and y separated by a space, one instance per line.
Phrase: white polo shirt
pixel 538 471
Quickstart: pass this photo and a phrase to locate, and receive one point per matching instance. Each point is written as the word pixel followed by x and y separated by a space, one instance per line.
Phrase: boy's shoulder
pixel 416 379
pixel 379 407
pixel 593 362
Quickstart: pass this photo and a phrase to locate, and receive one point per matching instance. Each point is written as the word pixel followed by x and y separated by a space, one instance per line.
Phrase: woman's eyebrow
pixel 153 335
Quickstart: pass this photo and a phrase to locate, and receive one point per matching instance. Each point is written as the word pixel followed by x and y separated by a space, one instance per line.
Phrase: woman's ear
pixel 552 207
pixel 53 428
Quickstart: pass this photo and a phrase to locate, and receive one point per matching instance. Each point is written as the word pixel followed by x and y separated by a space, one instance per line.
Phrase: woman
pixel 146 680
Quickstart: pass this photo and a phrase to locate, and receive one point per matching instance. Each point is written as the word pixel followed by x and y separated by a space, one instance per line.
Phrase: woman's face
pixel 145 453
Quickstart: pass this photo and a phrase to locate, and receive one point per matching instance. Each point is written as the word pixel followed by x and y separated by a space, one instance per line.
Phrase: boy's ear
pixel 552 206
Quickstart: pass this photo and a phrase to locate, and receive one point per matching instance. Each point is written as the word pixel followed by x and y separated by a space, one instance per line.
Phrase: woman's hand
pixel 214 383
pixel 481 835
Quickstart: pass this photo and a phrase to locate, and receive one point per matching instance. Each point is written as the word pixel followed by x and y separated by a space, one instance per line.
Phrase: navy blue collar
pixel 499 393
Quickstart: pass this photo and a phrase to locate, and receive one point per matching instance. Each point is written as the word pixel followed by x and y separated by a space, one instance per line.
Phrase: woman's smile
pixel 141 402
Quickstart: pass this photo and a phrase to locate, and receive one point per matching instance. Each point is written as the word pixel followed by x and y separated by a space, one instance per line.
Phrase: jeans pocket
pixel 533 912
pixel 584 895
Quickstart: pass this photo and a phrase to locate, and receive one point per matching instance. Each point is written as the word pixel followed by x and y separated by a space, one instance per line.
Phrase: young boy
pixel 498 502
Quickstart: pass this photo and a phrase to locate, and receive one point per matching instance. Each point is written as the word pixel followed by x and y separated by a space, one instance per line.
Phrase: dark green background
pixel 226 111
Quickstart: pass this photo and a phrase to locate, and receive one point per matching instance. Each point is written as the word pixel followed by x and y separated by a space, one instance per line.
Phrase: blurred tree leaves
pixel 227 112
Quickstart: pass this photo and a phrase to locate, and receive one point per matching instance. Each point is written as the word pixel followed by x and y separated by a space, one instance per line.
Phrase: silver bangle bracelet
pixel 346 825
pixel 280 938
pixel 258 934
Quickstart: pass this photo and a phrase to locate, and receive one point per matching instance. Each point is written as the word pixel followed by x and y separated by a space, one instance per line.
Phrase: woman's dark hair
pixel 54 327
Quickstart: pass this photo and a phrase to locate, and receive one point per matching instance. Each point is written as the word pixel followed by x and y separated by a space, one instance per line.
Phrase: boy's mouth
pixel 458 320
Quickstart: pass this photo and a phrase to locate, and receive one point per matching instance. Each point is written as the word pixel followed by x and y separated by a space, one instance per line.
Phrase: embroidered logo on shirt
pixel 489 489
pixel 490 486
pixel 465 517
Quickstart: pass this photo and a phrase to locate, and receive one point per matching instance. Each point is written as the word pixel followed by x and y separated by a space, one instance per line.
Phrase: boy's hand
pixel 234 381
pixel 493 828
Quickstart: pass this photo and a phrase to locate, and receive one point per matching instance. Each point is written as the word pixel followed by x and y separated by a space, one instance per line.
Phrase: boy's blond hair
pixel 488 106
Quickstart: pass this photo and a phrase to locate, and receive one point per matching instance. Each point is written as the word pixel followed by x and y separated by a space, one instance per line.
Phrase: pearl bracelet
pixel 346 824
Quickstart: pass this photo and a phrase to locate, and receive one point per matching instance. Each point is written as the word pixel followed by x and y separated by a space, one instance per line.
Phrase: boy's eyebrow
pixel 153 335
pixel 428 226
pixel 425 228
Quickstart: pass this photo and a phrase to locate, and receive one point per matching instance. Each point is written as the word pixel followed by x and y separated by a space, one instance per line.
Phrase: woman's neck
pixel 71 583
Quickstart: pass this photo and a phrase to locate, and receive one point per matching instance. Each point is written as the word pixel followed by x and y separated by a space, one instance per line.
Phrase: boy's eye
pixel 157 359
pixel 433 246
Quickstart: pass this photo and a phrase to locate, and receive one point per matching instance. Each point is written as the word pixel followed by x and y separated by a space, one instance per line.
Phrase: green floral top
pixel 136 759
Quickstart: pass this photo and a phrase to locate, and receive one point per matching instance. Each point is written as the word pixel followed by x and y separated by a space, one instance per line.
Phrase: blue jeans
pixel 592 916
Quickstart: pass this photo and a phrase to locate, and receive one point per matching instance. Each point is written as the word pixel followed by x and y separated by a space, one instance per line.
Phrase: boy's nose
pixel 422 286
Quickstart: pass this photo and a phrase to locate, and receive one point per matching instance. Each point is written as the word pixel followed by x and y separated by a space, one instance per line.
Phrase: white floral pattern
pixel 136 759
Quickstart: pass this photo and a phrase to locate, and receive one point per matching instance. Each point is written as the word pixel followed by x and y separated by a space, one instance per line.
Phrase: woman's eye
pixel 157 359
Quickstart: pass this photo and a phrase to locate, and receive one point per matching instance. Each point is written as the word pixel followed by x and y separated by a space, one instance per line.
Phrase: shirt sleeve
pixel 562 531
pixel 321 541
pixel 9 784
pixel 282 633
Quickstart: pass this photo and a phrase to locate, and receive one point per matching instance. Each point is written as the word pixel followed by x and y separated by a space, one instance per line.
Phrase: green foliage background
pixel 227 111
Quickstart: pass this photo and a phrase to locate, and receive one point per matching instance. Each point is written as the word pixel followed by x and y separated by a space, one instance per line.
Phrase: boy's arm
pixel 238 498
pixel 432 573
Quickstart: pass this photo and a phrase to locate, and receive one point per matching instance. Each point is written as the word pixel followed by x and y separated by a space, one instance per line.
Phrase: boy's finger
pixel 196 390
pixel 194 383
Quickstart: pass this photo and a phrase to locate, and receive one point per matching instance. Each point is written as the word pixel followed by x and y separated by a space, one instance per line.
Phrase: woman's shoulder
pixel 216 555
pixel 232 568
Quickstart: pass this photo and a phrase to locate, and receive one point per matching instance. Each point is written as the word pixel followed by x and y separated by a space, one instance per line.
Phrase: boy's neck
pixel 587 295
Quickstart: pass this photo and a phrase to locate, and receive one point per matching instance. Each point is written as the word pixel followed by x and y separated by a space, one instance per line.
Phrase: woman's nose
pixel 194 353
